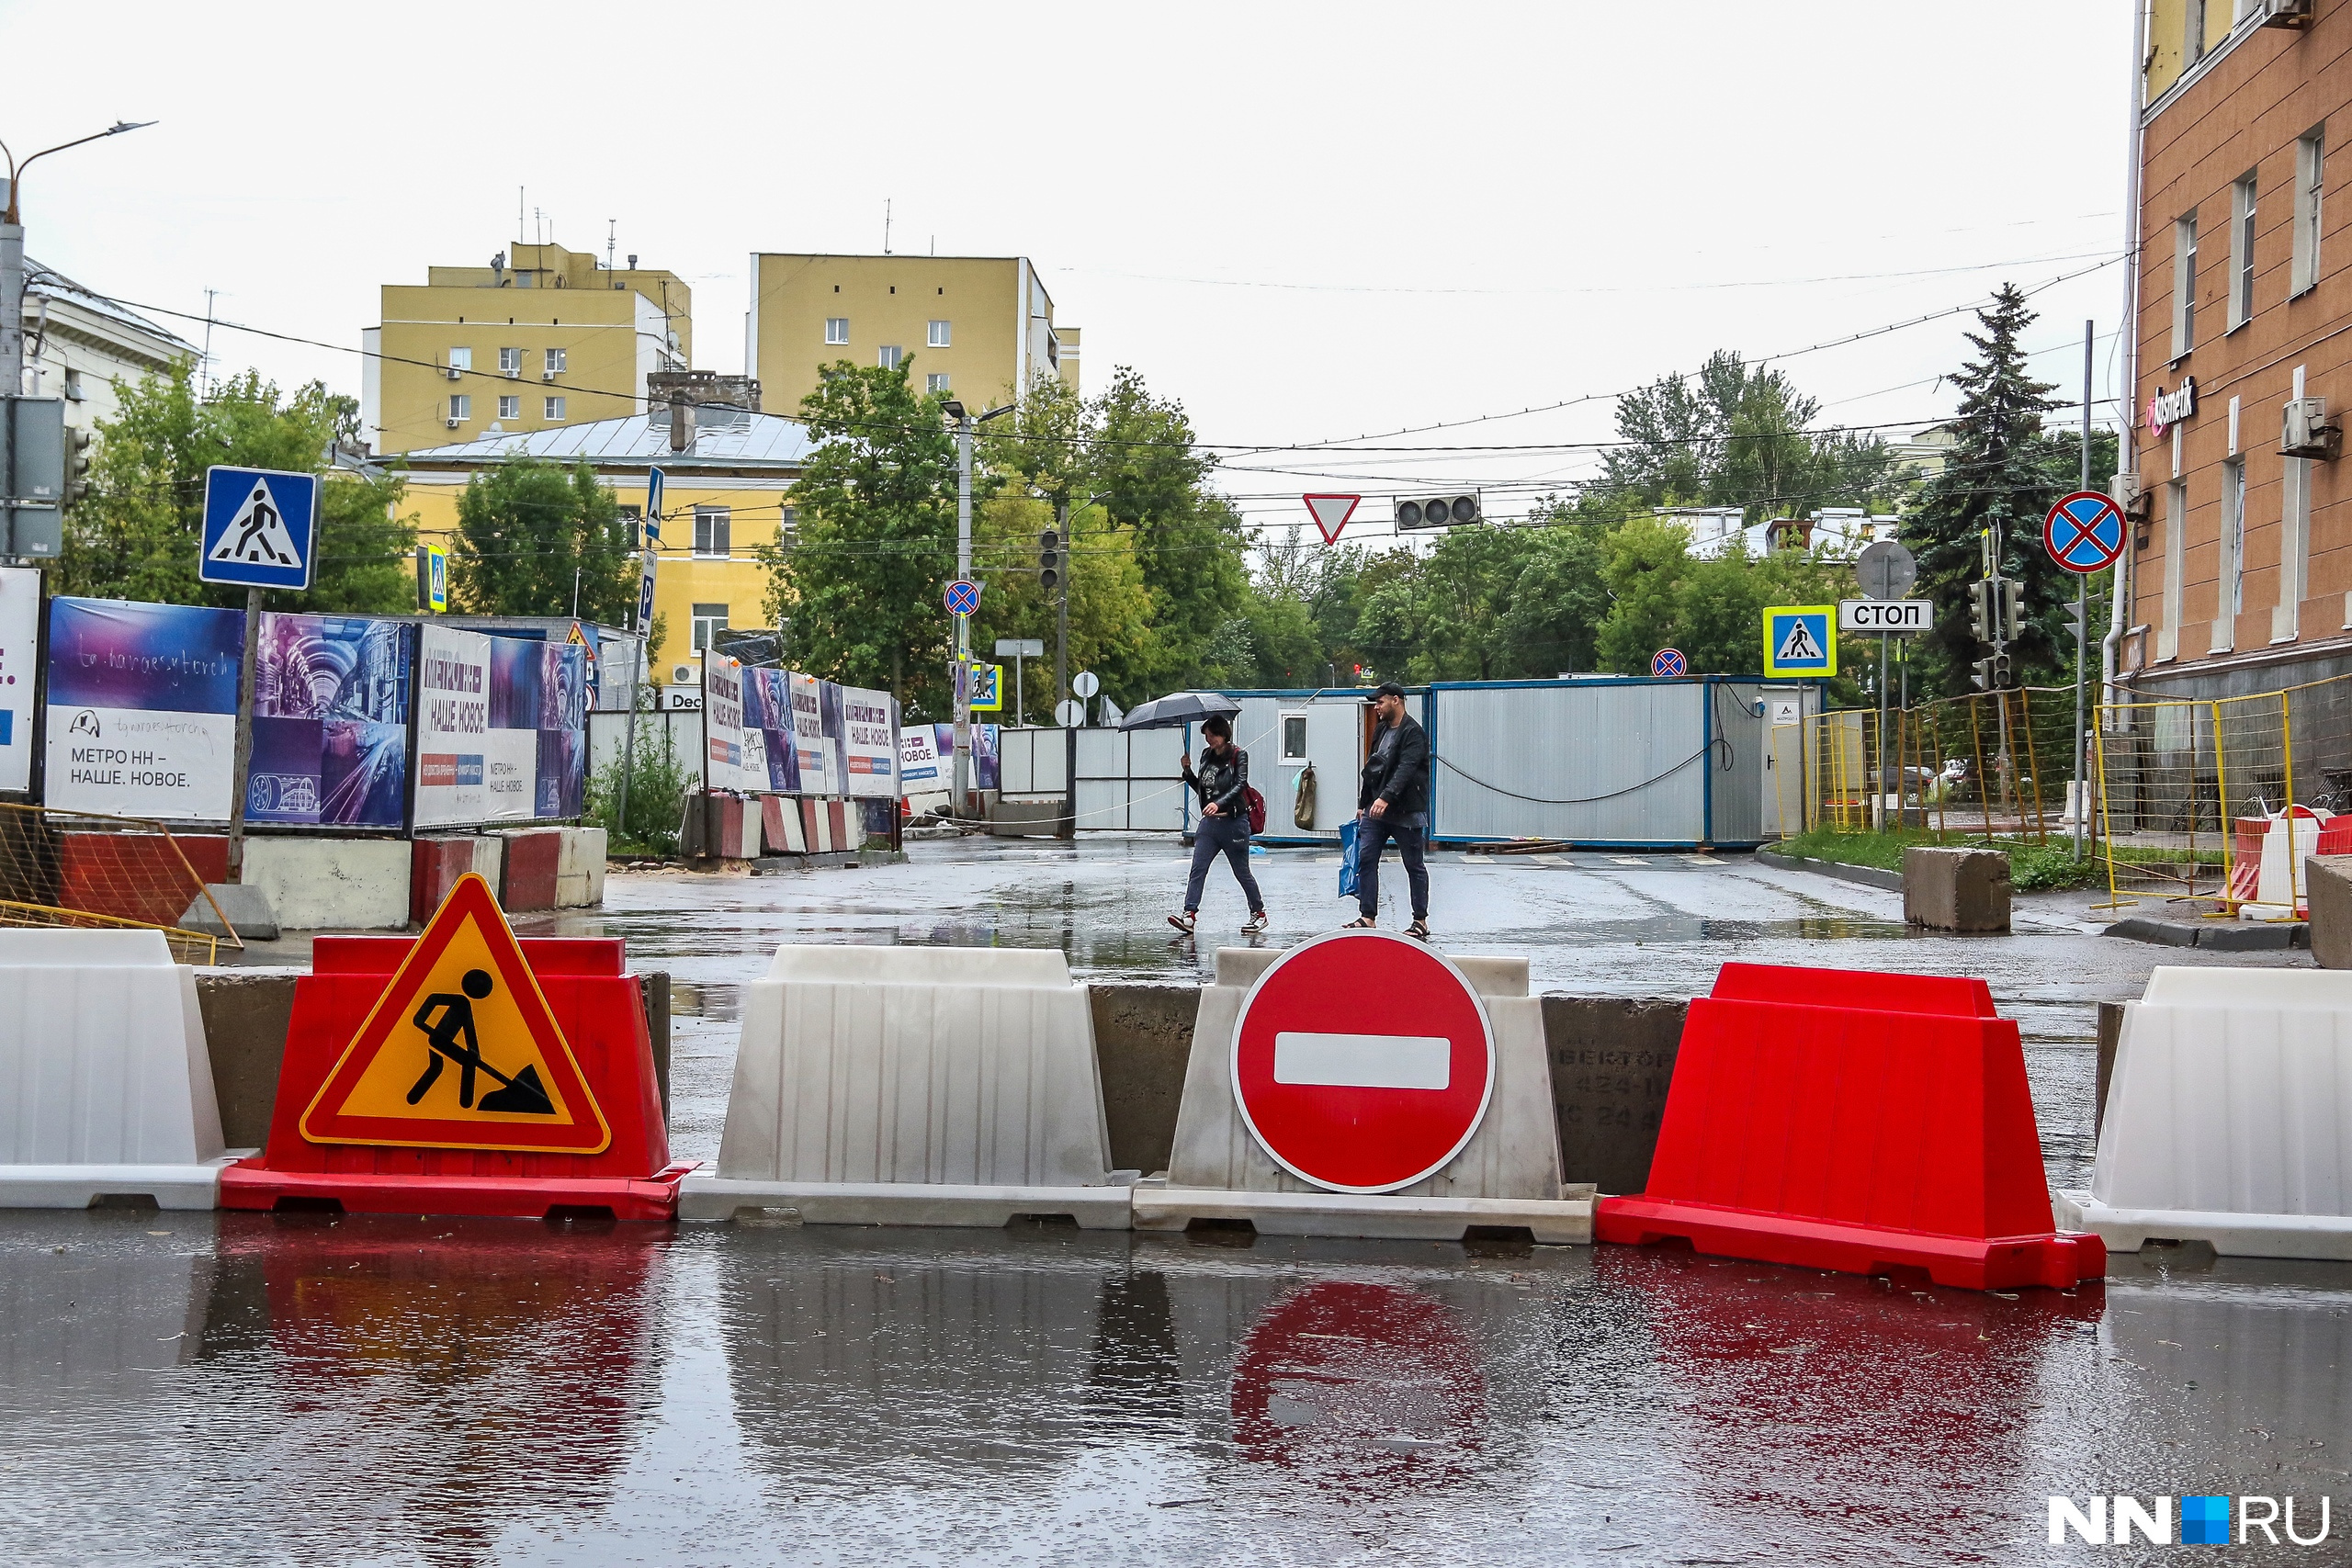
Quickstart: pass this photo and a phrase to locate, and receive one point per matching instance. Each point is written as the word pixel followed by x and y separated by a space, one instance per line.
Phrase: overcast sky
pixel 1306 221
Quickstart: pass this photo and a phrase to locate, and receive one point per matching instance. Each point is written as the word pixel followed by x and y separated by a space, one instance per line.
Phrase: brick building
pixel 2241 572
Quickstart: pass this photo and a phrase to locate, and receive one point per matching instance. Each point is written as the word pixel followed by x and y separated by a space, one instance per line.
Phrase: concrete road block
pixel 332 884
pixel 435 865
pixel 246 1014
pixel 105 1087
pixel 925 1085
pixel 2229 1117
pixel 1143 1036
pixel 1508 1176
pixel 1956 890
pixel 247 908
pixel 848 828
pixel 527 879
pixel 579 868
pixel 817 823
pixel 1613 1061
pixel 2328 886
pixel 780 829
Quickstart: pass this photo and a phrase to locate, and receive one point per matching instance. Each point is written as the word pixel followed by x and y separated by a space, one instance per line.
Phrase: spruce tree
pixel 1994 478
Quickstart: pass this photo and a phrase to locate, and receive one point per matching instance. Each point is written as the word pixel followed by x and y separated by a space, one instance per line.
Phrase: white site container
pixel 923 1085
pixel 2229 1117
pixel 106 1086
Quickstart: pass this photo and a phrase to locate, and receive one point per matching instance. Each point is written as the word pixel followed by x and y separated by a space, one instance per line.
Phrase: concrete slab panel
pixel 580 867
pixel 106 1086
pixel 332 884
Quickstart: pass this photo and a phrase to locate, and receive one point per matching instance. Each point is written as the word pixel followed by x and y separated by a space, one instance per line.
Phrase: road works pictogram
pixel 461 1051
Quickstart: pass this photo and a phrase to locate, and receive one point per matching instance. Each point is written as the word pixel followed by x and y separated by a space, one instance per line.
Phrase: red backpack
pixel 1257 804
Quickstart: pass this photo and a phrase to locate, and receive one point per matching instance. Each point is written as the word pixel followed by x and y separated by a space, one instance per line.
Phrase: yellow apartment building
pixel 978 326
pixel 465 355
pixel 723 497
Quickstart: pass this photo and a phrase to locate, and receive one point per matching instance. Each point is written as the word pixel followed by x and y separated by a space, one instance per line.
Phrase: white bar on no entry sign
pixel 1364 1061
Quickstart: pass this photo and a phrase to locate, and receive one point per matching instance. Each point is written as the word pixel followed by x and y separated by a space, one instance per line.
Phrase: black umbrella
pixel 1177 710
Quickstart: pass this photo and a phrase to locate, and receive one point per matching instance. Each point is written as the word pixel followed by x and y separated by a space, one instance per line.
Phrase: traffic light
pixel 2012 610
pixel 1978 617
pixel 2004 673
pixel 1982 673
pixel 1049 559
pixel 78 464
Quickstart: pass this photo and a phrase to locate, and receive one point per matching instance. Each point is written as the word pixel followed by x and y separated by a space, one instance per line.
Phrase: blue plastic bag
pixel 1348 860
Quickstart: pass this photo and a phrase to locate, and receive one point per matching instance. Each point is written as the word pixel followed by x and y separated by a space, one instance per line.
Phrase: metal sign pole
pixel 2081 615
pixel 244 756
pixel 1885 788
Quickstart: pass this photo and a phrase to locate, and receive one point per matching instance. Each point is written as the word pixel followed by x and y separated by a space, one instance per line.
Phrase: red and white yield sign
pixel 1363 1062
pixel 1331 513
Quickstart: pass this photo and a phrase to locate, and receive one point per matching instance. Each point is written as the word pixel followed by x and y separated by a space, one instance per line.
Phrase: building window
pixel 633 519
pixel 940 336
pixel 890 356
pixel 461 406
pixel 787 524
pixel 2176 522
pixel 555 359
pixel 836 328
pixel 713 526
pixel 2309 157
pixel 462 359
pixel 1293 738
pixel 554 409
pixel 708 618
pixel 510 408
pixel 2192 43
pixel 935 382
pixel 2242 253
pixel 510 360
pixel 2184 285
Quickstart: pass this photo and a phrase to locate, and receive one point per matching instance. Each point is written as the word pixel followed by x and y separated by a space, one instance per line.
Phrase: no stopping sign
pixel 1363 1062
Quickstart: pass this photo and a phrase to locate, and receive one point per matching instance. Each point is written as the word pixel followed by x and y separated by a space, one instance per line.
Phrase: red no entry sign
pixel 1363 1062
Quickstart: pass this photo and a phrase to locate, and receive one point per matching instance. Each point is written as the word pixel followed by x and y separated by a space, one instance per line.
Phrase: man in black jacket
pixel 1223 785
pixel 1394 803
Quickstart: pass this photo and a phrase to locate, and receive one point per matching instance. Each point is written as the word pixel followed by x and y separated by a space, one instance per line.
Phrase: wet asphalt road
pixel 224 1389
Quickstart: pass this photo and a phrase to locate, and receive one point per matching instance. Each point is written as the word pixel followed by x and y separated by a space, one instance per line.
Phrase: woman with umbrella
pixel 1223 785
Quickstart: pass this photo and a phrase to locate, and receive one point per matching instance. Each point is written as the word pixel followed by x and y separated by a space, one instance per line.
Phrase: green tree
pixel 1109 609
pixel 136 535
pixel 1996 480
pixel 1551 621
pixel 860 585
pixel 526 528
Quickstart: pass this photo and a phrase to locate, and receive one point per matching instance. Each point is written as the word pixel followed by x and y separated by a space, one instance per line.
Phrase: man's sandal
pixel 1419 931
pixel 1360 923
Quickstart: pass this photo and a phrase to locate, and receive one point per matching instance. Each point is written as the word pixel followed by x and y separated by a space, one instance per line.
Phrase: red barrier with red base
pixel 1853 1139
pixel 601 1013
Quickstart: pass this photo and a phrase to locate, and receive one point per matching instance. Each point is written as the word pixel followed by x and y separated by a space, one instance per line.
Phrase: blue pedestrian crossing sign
pixel 1801 639
pixel 260 525
pixel 988 687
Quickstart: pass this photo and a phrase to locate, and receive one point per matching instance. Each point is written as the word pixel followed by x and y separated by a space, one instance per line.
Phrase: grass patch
pixel 2033 867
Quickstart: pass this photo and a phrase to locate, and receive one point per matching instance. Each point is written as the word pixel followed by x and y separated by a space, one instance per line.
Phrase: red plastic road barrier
pixel 1857 1140
pixel 1854 988
pixel 434 866
pixel 602 1014
pixel 528 879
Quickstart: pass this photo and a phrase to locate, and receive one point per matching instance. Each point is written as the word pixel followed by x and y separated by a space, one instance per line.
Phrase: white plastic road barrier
pixel 2229 1117
pixel 105 1086
pixel 1505 1177
pixel 917 1086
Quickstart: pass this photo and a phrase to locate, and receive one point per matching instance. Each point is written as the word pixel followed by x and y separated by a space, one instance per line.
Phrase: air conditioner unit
pixel 680 673
pixel 2305 431
pixel 515 374
pixel 1438 510
pixel 454 374
pixel 2285 13
pixel 548 374
pixel 453 422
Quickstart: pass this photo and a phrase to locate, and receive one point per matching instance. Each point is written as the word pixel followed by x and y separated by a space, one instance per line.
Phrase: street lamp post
pixel 12 257
pixel 955 410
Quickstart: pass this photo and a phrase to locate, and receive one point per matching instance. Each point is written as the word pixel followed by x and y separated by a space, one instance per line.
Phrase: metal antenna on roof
pixel 612 227
pixel 886 225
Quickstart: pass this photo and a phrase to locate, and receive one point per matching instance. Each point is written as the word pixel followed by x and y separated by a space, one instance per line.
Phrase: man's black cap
pixel 1386 688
